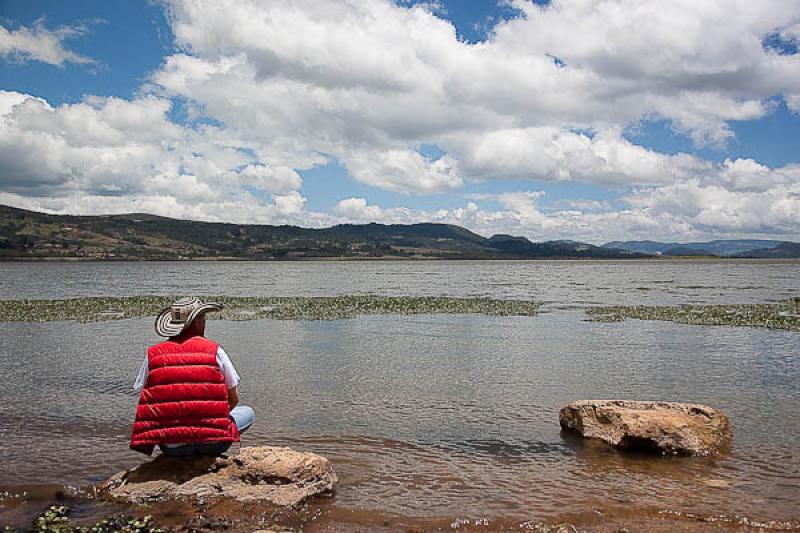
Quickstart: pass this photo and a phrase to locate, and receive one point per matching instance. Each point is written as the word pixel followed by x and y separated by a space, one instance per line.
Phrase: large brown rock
pixel 281 476
pixel 660 427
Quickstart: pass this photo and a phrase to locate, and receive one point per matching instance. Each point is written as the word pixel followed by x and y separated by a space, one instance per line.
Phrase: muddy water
pixel 435 422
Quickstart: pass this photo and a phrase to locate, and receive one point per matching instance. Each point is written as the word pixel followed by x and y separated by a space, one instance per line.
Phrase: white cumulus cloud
pixel 38 43
pixel 404 171
pixel 115 155
pixel 366 82
pixel 548 96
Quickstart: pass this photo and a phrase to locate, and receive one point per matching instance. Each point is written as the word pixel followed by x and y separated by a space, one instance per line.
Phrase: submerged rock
pixel 660 427
pixel 281 476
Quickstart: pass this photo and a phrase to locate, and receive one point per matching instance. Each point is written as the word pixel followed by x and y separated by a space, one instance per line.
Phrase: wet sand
pixel 323 515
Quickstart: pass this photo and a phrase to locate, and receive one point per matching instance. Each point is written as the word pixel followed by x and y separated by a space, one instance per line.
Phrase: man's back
pixel 188 388
pixel 184 399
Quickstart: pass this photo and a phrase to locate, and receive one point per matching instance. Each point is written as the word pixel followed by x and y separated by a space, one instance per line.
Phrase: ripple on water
pixel 426 414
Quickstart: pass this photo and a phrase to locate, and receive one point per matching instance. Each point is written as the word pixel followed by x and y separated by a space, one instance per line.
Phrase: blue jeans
pixel 243 417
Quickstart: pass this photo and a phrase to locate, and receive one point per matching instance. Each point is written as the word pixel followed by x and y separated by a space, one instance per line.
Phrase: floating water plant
pixel 251 308
pixel 781 315
pixel 56 520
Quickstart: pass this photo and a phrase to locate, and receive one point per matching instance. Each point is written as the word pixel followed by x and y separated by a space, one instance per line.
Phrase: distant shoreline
pixel 67 259
pixel 33 236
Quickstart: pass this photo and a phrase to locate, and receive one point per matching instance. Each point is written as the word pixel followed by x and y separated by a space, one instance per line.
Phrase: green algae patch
pixel 56 519
pixel 253 308
pixel 781 315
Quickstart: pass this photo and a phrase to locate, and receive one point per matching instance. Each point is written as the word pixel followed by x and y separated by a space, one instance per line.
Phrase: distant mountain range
pixel 753 248
pixel 33 235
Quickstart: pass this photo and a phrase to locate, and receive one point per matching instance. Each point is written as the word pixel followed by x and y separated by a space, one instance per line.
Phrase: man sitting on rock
pixel 188 401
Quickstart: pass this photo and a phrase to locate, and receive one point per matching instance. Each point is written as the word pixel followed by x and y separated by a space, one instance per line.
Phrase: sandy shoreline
pixel 323 515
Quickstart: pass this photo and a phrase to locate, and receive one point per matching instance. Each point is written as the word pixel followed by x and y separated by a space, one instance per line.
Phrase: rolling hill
pixel 32 235
pixel 718 248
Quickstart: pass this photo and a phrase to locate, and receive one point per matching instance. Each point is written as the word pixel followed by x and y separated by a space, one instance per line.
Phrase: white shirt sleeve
pixel 142 377
pixel 231 376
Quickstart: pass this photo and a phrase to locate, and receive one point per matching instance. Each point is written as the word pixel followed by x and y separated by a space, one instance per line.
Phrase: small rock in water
pixel 718 483
pixel 281 476
pixel 667 428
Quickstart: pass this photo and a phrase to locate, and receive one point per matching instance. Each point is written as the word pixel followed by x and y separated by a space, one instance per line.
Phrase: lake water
pixel 562 282
pixel 433 421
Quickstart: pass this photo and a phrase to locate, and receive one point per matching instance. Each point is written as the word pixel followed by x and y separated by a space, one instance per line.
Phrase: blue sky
pixel 452 112
pixel 128 40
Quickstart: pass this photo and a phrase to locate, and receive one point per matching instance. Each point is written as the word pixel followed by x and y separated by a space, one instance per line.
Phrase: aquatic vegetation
pixel 56 520
pixel 781 315
pixel 252 308
pixel 544 527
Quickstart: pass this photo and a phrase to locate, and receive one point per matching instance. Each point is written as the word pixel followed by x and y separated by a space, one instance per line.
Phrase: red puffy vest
pixel 185 398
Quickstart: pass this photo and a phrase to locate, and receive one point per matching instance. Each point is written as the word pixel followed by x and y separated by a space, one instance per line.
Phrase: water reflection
pixel 425 414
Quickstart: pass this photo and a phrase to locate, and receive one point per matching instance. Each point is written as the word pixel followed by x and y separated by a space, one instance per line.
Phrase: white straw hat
pixel 180 314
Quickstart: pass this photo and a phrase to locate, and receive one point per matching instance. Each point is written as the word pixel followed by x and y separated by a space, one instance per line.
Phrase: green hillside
pixel 31 235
